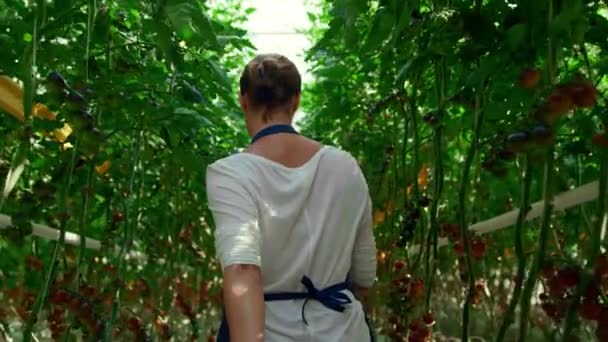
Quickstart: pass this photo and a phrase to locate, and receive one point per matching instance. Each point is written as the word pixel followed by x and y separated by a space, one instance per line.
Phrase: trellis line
pixel 584 193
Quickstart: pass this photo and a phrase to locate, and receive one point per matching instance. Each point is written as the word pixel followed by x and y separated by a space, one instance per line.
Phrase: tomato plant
pixel 459 113
pixel 505 103
pixel 139 98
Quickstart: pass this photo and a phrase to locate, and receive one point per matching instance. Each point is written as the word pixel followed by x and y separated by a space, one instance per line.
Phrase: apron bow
pixel 331 297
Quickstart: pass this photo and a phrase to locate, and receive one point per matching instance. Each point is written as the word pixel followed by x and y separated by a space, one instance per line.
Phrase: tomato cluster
pixel 408 293
pixel 90 306
pixel 419 330
pixel 560 286
pixel 478 293
pixel 405 286
pixel 478 244
pixel 56 319
pixel 408 226
pixel 539 131
pixel 76 104
pixel 182 292
pixel 81 305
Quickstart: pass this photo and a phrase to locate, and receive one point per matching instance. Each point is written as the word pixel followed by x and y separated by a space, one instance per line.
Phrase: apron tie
pixel 331 297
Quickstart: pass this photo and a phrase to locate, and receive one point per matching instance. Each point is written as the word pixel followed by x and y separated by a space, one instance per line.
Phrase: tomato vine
pixel 460 113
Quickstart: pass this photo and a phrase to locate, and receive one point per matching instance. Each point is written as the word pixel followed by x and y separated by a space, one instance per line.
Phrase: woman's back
pixel 312 219
pixel 292 219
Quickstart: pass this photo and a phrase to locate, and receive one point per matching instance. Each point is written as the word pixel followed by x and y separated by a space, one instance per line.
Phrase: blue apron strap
pixel 331 297
pixel 223 335
pixel 274 129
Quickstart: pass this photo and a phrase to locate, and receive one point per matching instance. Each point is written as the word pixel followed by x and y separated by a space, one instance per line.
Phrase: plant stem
pixel 63 200
pixel 462 215
pixel 23 151
pixel 82 222
pixel 542 244
pixel 594 251
pixel 126 238
pixel 433 235
pixel 548 194
pixel 416 163
pixel 91 10
pixel 406 131
pixel 519 249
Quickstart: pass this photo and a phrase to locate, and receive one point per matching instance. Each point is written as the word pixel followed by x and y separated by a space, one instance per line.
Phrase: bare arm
pixel 237 242
pixel 364 260
pixel 244 302
pixel 362 295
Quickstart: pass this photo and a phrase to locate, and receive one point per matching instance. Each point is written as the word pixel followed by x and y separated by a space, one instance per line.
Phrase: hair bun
pixel 270 80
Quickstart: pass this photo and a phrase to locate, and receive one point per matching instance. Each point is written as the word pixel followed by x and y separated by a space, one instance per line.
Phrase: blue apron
pixel 331 297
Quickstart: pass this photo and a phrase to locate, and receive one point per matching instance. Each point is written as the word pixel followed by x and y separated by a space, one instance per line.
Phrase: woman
pixel 293 222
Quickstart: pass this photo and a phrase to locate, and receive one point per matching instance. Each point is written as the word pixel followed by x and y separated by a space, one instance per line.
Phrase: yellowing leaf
pixel 103 168
pixel 41 111
pixel 382 257
pixel 62 134
pixel 66 146
pixel 11 98
pixel 389 207
pixel 379 217
pixel 423 176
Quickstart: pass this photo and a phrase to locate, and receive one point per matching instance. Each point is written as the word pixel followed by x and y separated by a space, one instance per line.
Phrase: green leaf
pixel 192 94
pixel 382 27
pixel 219 74
pixel 191 118
pixel 403 21
pixel 409 68
pixel 190 22
pixel 335 71
pixel 603 66
pixel 127 3
pixel 47 125
pixel 561 23
pixel 597 30
pixel 487 66
pixel 17 168
pixel 188 159
pixel 572 11
pixel 225 40
pixel 101 28
pixel 166 43
pixel 516 36
pixel 167 137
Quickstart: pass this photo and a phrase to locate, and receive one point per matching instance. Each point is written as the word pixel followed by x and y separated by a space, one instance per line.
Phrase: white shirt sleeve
pixel 364 258
pixel 237 234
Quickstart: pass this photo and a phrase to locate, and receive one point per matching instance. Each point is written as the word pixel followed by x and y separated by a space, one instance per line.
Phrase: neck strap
pixel 274 129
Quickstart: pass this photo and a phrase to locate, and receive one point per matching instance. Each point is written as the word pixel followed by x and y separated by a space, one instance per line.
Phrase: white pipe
pixel 582 194
pixel 565 200
pixel 52 234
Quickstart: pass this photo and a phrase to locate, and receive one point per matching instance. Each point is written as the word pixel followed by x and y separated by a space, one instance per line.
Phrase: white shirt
pixel 312 220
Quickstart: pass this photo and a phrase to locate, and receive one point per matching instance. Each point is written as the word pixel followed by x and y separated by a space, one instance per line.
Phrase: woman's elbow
pixel 240 278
